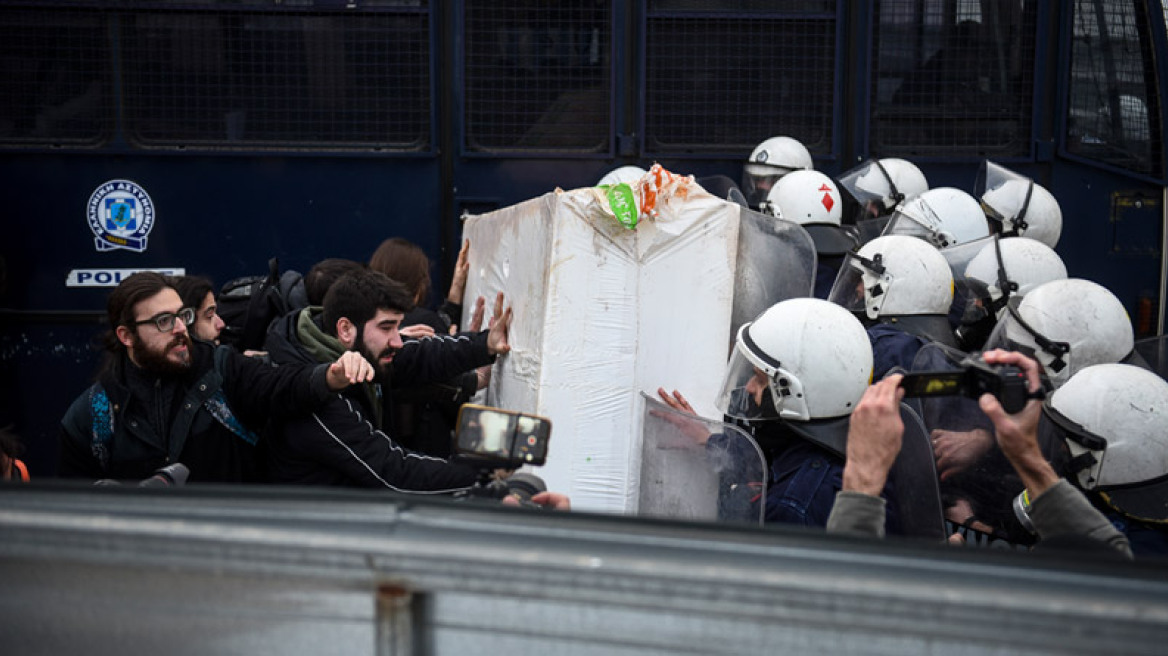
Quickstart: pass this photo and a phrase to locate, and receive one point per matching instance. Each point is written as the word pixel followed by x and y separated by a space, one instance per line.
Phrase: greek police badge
pixel 121 215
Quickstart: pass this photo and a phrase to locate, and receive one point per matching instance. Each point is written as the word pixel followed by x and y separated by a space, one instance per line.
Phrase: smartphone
pixel 503 438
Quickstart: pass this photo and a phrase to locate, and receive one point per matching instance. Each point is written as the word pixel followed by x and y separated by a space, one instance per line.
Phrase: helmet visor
pixel 960 255
pixel 831 239
pixel 745 390
pixel 869 182
pixel 861 285
pixel 870 226
pixel 979 296
pixel 976 300
pixel 1084 449
pixel 917 221
pixel 1004 196
pixel 757 180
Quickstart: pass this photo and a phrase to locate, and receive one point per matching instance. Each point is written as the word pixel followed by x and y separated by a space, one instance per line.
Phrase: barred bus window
pixel 722 77
pixel 1113 101
pixel 278 79
pixel 55 89
pixel 951 79
pixel 538 76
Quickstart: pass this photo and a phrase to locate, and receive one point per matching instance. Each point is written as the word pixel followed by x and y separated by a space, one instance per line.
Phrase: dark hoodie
pixel 341 443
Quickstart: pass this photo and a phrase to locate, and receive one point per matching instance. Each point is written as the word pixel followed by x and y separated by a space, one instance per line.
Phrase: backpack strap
pixel 217 405
pixel 102 425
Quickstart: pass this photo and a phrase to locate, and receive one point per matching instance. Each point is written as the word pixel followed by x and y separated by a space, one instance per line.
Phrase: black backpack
pixel 250 304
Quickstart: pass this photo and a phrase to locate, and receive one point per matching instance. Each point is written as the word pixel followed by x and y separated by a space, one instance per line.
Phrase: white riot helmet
pixel 811 199
pixel 894 275
pixel 626 174
pixel 1010 267
pixel 1114 421
pixel 1067 325
pixel 1016 206
pixel 943 216
pixel 771 160
pixel 881 184
pixel 816 360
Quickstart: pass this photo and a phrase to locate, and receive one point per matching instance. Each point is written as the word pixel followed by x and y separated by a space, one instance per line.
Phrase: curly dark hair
pixel 357 296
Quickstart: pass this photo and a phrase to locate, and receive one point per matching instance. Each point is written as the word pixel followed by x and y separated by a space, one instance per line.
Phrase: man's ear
pixel 125 335
pixel 346 332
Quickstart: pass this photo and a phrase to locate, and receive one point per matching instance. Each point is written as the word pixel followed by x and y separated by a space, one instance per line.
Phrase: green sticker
pixel 623 204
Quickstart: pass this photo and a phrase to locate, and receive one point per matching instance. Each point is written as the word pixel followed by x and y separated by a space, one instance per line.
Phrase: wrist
pixel 863 479
pixel 320 382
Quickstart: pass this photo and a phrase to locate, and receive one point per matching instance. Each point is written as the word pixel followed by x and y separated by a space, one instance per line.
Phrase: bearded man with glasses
pixel 163 398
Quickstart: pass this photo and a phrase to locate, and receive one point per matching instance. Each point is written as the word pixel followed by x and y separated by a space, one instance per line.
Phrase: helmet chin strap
pixel 1005 285
pixel 874 266
pixel 1055 349
pixel 895 194
pixel 1084 441
pixel 1019 222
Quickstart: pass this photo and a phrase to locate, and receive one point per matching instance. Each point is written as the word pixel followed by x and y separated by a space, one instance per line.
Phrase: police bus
pixel 217 134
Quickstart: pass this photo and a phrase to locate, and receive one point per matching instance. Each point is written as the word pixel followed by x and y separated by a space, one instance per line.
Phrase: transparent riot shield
pixel 1152 353
pixel 776 261
pixel 916 495
pixel 698 469
pixel 977 483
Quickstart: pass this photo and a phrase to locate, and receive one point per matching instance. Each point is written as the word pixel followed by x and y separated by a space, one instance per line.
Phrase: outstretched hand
pixel 349 369
pixel 695 430
pixel 500 326
pixel 461 269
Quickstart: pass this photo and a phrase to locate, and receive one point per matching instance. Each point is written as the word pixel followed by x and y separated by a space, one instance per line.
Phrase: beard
pixel 158 361
pixel 383 370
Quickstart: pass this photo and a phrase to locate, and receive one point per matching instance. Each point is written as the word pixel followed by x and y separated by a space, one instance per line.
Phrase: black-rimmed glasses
pixel 165 320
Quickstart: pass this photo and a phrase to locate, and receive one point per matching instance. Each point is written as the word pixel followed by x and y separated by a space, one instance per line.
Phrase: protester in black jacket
pixel 165 398
pixel 342 443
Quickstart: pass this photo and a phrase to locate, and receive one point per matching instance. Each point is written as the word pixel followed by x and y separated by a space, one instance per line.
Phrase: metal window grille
pixel 722 77
pixel 948 79
pixel 1113 105
pixel 278 79
pixel 538 76
pixel 55 88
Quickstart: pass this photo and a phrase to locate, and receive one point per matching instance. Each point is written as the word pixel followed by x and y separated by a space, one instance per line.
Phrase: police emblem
pixel 121 215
